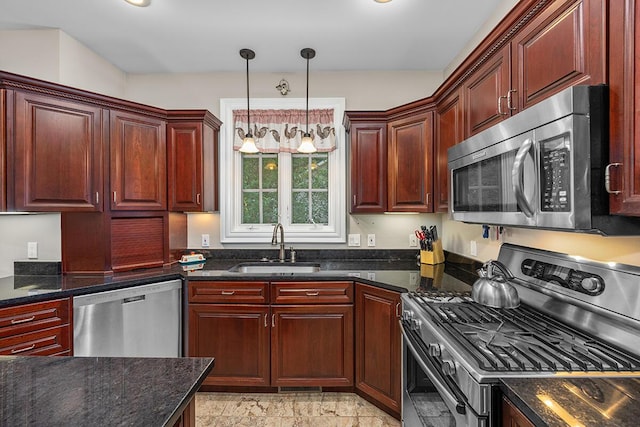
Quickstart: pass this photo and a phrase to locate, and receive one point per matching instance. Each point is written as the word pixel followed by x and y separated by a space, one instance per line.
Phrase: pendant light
pixel 306 144
pixel 248 143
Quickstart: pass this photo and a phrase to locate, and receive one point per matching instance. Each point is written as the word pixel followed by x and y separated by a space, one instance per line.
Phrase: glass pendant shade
pixel 306 143
pixel 248 145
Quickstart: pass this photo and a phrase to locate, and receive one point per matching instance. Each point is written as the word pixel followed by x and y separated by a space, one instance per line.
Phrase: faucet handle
pixel 292 254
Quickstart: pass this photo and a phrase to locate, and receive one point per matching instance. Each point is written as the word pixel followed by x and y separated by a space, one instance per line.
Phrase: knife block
pixel 436 256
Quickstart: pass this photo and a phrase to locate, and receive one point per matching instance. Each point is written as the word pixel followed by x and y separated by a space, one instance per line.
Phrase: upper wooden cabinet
pixel 564 45
pixel 624 99
pixel 368 164
pixel 57 159
pixel 410 164
pixel 138 162
pixel 449 131
pixel 192 158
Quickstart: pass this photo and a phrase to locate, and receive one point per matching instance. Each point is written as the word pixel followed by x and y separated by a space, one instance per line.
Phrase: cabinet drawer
pixel 229 292
pixel 39 343
pixel 312 292
pixel 33 317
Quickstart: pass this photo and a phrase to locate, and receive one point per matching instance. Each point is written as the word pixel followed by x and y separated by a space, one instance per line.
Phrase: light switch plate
pixel 354 240
pixel 32 250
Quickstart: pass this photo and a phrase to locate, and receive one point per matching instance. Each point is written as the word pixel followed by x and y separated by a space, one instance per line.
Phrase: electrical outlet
pixel 205 241
pixel 473 248
pixel 371 239
pixel 413 240
pixel 371 275
pixel 354 240
pixel 413 278
pixel 32 250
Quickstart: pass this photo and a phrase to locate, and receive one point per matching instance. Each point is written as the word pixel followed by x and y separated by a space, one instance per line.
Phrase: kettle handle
pixel 491 264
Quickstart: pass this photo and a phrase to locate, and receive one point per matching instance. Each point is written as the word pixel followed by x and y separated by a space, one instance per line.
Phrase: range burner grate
pixel 525 340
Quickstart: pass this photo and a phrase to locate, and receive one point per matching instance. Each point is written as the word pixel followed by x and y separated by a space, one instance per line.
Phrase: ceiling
pixel 184 36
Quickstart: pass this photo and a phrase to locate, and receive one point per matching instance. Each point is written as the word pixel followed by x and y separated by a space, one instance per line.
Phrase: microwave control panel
pixel 579 281
pixel 555 176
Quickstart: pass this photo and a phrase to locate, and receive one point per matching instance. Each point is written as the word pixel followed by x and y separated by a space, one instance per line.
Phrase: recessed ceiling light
pixel 141 3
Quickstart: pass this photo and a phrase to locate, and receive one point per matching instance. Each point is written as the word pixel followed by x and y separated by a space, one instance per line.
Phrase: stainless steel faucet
pixel 274 240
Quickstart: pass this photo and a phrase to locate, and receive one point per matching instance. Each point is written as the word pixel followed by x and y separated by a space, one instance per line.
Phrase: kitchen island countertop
pixel 98 391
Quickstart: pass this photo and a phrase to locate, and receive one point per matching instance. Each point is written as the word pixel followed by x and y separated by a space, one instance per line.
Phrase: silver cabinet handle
pixel 115 198
pixel 428 196
pixel 198 199
pixel 97 198
pixel 22 350
pixel 273 320
pixel 312 294
pixel 25 320
pixel 398 310
pixel 500 112
pixel 265 320
pixel 354 200
pixel 228 292
pixel 607 178
pixel 517 178
pixel 509 99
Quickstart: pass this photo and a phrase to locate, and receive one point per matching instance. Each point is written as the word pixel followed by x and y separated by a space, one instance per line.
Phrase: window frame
pixel 230 164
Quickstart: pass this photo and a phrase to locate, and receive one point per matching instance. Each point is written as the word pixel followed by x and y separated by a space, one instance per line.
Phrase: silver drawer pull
pixel 25 320
pixel 312 294
pixel 228 292
pixel 607 178
pixel 22 350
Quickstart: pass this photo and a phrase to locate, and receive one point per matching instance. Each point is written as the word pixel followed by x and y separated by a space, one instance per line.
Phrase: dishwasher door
pixel 140 321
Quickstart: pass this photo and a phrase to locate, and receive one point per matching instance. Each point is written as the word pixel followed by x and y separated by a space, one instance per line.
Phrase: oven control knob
pixel 415 324
pixel 435 350
pixel 407 315
pixel 448 367
pixel 591 284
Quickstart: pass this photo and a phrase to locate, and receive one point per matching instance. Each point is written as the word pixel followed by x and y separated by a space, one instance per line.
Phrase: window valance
pixel 282 130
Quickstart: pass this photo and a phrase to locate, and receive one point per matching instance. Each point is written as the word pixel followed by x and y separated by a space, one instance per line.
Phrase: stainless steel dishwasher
pixel 140 321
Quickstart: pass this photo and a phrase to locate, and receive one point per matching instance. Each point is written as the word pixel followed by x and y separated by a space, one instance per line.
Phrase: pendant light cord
pixel 248 114
pixel 307 95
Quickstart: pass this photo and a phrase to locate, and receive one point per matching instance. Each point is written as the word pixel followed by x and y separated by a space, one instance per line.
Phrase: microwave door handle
pixel 517 178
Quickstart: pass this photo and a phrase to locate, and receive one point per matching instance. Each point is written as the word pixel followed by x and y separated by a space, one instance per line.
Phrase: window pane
pixel 320 171
pixel 320 207
pixel 250 169
pixel 250 208
pixel 269 171
pixel 270 207
pixel 300 208
pixel 300 171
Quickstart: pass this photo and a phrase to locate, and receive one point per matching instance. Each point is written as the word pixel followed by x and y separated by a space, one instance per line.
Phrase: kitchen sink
pixel 275 267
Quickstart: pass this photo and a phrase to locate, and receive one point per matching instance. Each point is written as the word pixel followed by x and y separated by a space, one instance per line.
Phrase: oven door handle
pixel 432 372
pixel 517 178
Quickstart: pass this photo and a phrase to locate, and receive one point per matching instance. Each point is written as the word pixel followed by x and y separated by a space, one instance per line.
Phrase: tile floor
pixel 288 410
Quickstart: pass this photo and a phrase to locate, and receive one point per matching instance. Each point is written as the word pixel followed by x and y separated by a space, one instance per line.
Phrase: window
pixel 304 192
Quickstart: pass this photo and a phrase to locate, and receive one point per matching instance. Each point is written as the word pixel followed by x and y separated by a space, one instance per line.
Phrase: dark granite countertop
pixel 399 271
pixel 561 402
pixel 97 391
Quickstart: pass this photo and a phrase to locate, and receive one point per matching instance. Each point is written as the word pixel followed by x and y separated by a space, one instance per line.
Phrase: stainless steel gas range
pixel 576 318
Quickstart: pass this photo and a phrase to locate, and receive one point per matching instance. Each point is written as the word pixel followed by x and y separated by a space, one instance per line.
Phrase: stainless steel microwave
pixel 543 167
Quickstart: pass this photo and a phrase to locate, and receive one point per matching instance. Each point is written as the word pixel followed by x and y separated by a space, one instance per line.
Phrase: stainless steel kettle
pixel 495 290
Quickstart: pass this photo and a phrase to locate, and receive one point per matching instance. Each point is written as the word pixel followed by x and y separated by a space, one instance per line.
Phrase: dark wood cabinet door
pixel 486 93
pixel 624 99
pixel 378 345
pixel 138 162
pixel 237 335
pixel 563 46
pixel 410 164
pixel 449 131
pixel 184 146
pixel 368 159
pixel 512 417
pixel 312 345
pixel 57 155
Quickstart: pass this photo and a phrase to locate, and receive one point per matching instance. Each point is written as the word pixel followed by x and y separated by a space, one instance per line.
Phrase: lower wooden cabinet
pixel 512 417
pixel 306 343
pixel 378 345
pixel 238 336
pixel 42 329
pixel 312 345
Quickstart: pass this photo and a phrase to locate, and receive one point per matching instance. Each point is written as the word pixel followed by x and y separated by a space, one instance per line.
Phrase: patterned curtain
pixel 282 130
